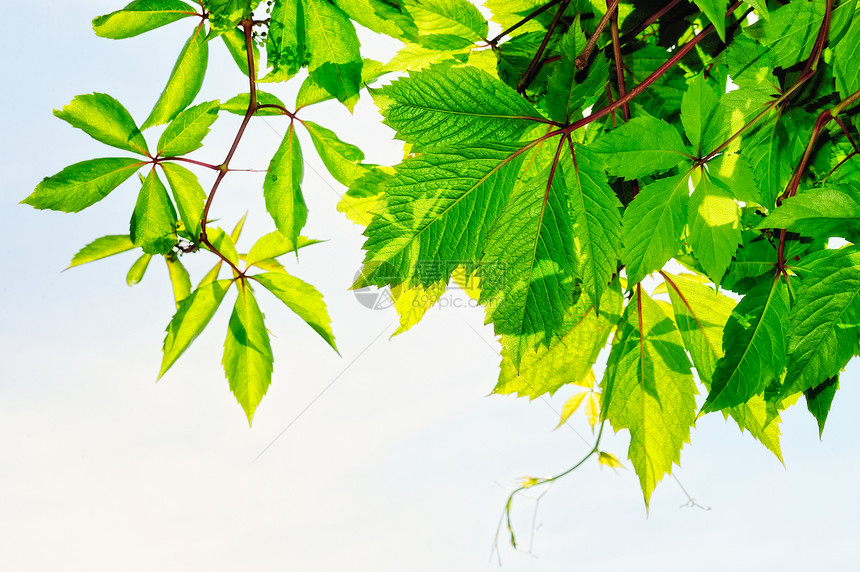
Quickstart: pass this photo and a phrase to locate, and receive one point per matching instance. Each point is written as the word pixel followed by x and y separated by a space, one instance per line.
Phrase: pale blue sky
pixel 404 463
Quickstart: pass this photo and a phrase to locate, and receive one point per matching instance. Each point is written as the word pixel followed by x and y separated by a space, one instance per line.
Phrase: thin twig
pixel 525 20
pixel 531 71
pixel 581 60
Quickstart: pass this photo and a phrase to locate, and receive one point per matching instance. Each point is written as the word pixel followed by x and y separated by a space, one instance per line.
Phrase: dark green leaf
pixel 824 320
pixel 819 399
pixel 188 194
pixel 831 211
pixel 754 344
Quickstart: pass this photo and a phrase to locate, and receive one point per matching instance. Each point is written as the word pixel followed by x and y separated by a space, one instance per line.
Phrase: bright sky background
pixel 404 463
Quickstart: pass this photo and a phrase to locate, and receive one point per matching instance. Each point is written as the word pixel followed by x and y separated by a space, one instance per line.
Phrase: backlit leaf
pixel 141 16
pixel 81 185
pixel 102 248
pixel 104 119
pixel 184 82
pixel 247 354
pixel 282 188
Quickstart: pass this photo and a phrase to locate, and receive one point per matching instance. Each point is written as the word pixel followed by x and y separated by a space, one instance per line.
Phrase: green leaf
pixel 653 224
pixel 185 133
pixel 273 245
pixel 826 212
pixel 715 10
pixel 705 120
pixel 437 207
pixel 226 14
pixel 532 242
pixel 648 389
pixel 768 150
pixel 141 16
pixel 179 279
pixel 819 399
pixel 104 119
pixel 332 46
pixel 734 173
pixel 701 315
pixel 102 248
pixel 823 330
pixel 301 298
pixel 282 189
pixel 285 42
pixel 191 317
pixel 361 200
pixel 342 160
pixel 569 356
pixel 223 243
pixel 595 213
pixel 82 185
pixel 791 30
pixel 382 16
pixel 568 89
pixel 247 354
pixel 188 194
pixel 846 54
pixel 153 224
pixel 234 39
pixel 311 92
pixel 754 344
pixel 642 146
pixel 137 270
pixel 447 24
pixel 184 82
pixel 239 104
pixel 715 227
pixel 446 106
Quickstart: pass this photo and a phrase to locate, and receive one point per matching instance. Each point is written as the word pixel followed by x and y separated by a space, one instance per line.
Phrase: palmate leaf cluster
pixel 678 182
